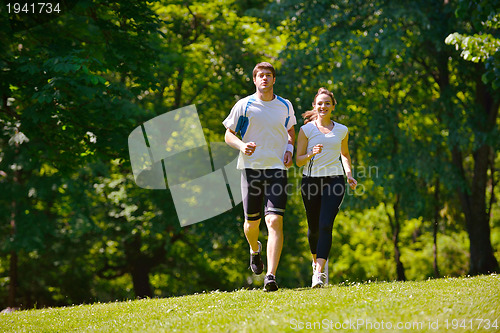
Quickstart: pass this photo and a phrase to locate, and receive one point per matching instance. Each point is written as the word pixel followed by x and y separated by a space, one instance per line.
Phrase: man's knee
pixel 252 224
pixel 274 222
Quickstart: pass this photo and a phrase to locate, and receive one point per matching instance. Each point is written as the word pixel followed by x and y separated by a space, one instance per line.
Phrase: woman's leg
pixel 331 199
pixel 311 196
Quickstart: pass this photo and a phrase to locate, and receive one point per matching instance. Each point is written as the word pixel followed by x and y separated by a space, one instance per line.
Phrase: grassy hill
pixel 443 305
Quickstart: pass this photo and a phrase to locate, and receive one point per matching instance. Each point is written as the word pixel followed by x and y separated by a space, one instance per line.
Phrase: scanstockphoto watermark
pixel 295 186
pixel 360 324
pixel 171 152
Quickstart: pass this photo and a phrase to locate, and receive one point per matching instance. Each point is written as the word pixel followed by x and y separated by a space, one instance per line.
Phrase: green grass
pixel 421 306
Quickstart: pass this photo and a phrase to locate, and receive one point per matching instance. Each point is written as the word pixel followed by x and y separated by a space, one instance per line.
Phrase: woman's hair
pixel 311 115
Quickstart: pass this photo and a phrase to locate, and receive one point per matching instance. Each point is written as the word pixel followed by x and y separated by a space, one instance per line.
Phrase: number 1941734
pixel 33 8
pixel 472 324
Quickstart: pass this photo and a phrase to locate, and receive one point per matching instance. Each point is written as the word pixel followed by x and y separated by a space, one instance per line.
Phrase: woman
pixel 322 147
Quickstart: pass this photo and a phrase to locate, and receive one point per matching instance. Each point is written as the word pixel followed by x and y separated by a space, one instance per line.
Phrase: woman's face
pixel 324 105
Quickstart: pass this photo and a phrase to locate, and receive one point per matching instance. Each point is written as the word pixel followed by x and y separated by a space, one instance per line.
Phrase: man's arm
pixel 291 136
pixel 291 141
pixel 235 142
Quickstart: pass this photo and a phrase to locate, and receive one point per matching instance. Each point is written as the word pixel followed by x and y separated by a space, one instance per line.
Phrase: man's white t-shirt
pixel 266 128
pixel 326 163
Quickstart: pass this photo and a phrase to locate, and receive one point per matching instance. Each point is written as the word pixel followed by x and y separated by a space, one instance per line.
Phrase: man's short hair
pixel 263 65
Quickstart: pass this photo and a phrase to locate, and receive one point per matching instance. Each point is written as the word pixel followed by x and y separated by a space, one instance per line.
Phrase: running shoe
pixel 256 264
pixel 270 283
pixel 318 279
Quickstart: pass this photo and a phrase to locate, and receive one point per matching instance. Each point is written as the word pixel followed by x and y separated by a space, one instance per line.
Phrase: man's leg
pixel 251 229
pixel 274 242
pixel 252 203
pixel 275 193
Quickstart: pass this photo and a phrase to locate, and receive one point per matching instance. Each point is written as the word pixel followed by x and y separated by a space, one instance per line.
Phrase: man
pixel 265 122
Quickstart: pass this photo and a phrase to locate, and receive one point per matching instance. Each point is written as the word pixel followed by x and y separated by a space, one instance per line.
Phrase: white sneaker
pixel 318 279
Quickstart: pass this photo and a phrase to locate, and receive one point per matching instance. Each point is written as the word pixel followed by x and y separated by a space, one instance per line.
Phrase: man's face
pixel 264 80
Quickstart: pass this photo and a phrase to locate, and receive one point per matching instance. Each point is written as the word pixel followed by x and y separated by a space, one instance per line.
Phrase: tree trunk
pixel 435 230
pixel 140 279
pixel 400 270
pixel 13 263
pixel 13 280
pixel 395 228
pixel 139 268
pixel 178 88
pixel 482 259
pixel 472 191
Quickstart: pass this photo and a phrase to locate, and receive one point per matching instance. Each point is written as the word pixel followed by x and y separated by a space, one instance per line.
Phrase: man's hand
pixel 288 159
pixel 248 148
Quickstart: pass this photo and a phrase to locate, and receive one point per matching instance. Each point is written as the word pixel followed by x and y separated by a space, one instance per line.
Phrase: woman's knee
pixel 326 229
pixel 313 233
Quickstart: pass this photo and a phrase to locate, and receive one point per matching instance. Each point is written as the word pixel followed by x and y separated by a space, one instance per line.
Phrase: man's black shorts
pixel 263 185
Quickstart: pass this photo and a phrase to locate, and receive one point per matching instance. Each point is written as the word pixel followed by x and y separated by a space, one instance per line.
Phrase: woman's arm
pixel 302 155
pixel 346 161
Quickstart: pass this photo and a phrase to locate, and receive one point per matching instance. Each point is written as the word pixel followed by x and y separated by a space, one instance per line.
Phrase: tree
pixel 481 42
pixel 408 92
pixel 478 45
pixel 69 102
pixel 65 102
pixel 209 53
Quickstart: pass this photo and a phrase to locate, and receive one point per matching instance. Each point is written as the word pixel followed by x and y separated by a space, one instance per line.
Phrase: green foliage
pixel 69 102
pixel 415 111
pixel 66 101
pixel 73 87
pixel 362 248
pixel 482 42
pixel 474 48
pixel 210 52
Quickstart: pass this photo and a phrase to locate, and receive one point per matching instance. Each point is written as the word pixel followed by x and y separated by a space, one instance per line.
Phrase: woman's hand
pixel 352 182
pixel 317 149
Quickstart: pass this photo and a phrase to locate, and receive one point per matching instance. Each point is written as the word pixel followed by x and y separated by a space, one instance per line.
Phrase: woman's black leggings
pixel 322 198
